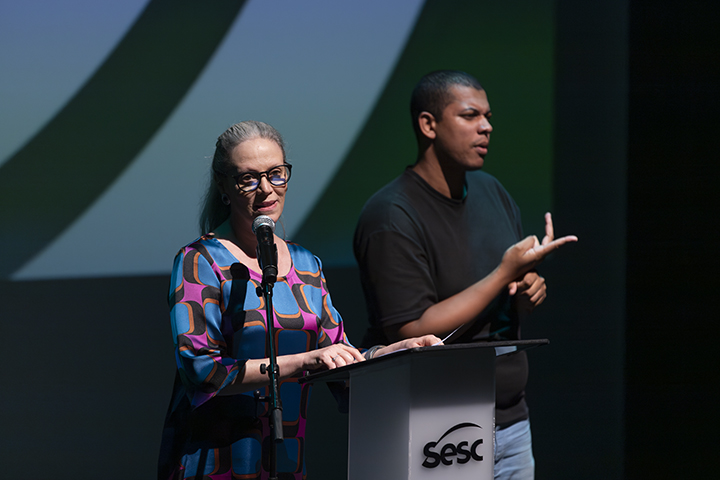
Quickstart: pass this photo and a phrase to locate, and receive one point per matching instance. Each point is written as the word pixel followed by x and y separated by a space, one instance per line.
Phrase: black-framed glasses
pixel 249 181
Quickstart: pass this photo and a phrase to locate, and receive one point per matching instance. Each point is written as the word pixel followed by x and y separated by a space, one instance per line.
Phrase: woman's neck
pixel 244 248
pixel 243 240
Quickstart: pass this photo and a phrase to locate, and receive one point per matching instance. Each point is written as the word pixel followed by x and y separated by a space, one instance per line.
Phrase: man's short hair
pixel 432 93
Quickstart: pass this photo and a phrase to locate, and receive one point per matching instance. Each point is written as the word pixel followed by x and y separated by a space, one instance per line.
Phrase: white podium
pixel 423 413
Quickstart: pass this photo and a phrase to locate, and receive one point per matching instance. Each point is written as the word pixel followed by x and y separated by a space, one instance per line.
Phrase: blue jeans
pixel 513 452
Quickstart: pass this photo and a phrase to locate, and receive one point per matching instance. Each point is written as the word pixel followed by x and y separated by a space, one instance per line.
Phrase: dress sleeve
pixel 331 329
pixel 201 353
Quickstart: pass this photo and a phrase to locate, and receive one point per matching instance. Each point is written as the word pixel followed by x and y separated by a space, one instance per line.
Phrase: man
pixel 428 245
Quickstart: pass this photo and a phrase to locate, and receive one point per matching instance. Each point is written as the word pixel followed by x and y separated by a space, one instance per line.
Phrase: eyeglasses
pixel 249 181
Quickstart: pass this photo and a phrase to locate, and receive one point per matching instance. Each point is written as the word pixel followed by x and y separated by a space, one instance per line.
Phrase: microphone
pixel 263 228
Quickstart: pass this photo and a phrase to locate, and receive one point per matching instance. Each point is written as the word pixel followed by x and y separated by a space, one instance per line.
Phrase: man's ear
pixel 426 122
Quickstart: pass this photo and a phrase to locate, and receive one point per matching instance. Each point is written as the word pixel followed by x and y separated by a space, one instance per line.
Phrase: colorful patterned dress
pixel 218 322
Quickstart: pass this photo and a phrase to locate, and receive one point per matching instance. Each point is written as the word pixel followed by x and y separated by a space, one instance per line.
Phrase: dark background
pixel 628 386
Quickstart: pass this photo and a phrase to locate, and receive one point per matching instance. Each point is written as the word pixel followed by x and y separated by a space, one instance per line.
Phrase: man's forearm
pixel 453 312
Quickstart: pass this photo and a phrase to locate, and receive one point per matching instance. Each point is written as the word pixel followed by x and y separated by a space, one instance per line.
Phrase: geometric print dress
pixel 219 322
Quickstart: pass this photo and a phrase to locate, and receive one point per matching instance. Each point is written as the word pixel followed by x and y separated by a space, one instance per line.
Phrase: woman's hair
pixel 214 211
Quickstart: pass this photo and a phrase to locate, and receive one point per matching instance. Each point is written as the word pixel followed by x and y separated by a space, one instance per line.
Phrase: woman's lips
pixel 265 206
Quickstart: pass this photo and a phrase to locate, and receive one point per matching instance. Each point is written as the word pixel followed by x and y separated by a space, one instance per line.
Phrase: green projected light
pixel 511 52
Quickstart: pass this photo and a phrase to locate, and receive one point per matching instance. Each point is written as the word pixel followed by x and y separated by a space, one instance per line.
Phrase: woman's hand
pixel 251 376
pixel 424 341
pixel 333 356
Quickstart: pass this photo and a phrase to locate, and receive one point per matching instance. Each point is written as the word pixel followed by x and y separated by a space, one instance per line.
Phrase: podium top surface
pixel 343 373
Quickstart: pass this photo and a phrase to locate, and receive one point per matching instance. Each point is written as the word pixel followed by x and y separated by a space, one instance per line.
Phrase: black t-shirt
pixel 415 247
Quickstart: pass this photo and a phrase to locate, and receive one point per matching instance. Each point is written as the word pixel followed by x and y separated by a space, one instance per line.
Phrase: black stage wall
pixel 672 364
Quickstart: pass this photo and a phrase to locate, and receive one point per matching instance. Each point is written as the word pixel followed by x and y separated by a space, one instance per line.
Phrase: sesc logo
pixel 464 451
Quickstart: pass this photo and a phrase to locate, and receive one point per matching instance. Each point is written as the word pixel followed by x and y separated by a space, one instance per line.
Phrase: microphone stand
pixel 275 407
pixel 265 290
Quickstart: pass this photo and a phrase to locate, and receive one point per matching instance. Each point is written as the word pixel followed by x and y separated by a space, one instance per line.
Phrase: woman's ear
pixel 219 183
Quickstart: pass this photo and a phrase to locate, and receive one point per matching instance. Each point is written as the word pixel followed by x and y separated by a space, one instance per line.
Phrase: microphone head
pixel 263 220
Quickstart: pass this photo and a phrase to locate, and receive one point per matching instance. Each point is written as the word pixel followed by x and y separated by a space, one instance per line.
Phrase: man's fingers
pixel 535 287
pixel 549 230
pixel 539 252
pixel 538 297
pixel 557 243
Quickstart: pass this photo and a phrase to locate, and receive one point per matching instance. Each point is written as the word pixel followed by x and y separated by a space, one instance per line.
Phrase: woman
pixel 215 427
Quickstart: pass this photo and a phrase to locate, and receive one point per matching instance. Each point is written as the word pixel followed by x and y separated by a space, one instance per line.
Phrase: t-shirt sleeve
pixel 396 275
pixel 201 354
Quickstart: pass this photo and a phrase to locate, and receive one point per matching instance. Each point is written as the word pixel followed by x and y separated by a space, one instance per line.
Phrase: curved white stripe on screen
pixel 48 50
pixel 313 69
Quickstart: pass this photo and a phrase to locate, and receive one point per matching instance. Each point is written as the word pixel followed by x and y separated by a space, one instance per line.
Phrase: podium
pixel 423 413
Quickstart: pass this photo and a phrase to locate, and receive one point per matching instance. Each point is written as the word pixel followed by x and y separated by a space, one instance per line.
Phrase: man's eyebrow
pixel 477 110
